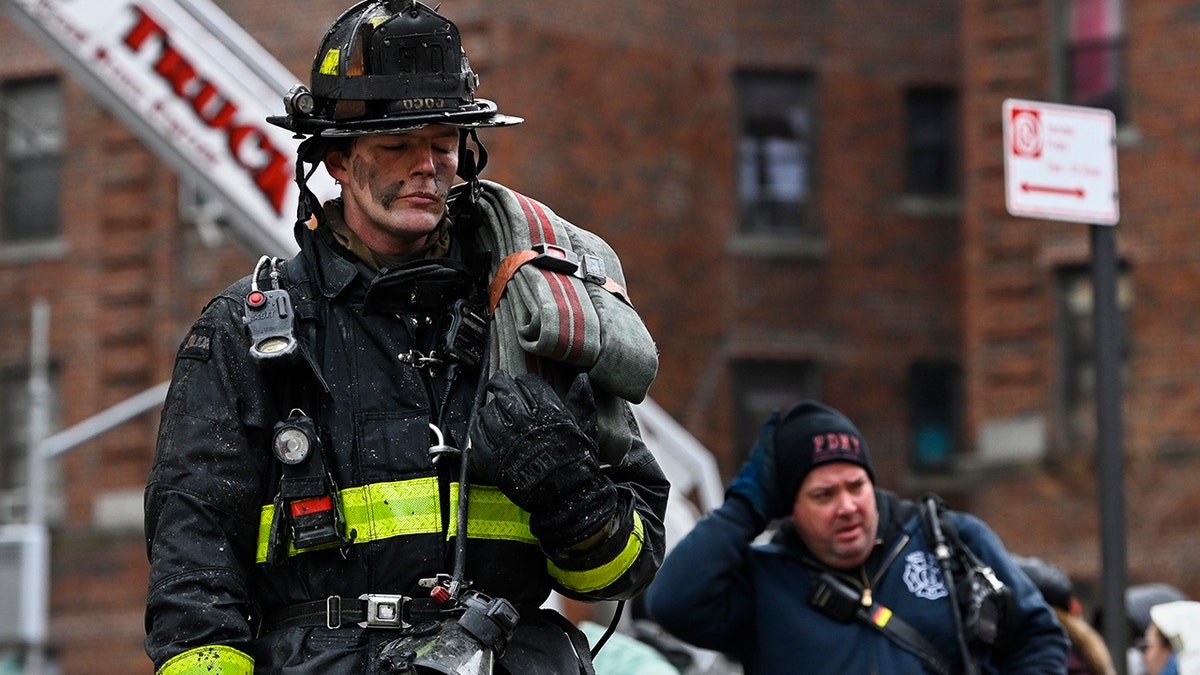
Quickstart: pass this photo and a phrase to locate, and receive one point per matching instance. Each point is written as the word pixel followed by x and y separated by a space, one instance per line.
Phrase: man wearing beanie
pixel 849 581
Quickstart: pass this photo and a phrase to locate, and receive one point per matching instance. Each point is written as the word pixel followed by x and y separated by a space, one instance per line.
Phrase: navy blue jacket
pixel 718 590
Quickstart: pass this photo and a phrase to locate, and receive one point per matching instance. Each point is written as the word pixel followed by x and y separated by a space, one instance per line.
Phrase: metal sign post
pixel 1060 163
pixel 1110 455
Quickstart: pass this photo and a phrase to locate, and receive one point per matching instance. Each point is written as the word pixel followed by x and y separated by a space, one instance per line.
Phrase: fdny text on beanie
pixel 812 434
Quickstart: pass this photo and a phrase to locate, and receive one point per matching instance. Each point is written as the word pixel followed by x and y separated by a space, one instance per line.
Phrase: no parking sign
pixel 1060 162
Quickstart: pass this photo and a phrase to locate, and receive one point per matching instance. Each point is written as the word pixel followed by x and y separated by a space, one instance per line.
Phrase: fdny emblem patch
pixel 923 576
pixel 198 344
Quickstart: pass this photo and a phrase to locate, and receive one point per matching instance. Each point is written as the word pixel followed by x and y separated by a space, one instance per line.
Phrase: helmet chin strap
pixel 309 204
pixel 468 167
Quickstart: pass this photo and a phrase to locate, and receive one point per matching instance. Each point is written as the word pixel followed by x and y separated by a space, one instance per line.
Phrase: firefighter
pixel 360 468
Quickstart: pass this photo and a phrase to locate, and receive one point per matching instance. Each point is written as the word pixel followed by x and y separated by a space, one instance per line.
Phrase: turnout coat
pixel 214 591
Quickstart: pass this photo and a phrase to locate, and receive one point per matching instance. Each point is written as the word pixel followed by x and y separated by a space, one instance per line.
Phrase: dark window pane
pixel 763 387
pixel 932 142
pixel 1077 347
pixel 934 394
pixel 775 151
pixel 32 188
pixel 31 113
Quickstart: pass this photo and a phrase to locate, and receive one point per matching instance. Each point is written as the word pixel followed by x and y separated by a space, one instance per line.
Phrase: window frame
pixel 1109 41
pixel 762 386
pixel 935 400
pixel 776 116
pixel 924 144
pixel 1075 337
pixel 31 216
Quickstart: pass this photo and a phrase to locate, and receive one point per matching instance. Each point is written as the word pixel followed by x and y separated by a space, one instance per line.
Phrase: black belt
pixel 370 610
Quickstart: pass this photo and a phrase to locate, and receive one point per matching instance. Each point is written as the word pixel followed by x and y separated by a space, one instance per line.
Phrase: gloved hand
pixel 534 445
pixel 758 480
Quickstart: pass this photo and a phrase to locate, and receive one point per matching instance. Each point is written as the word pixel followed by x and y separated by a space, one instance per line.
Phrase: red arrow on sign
pixel 1072 192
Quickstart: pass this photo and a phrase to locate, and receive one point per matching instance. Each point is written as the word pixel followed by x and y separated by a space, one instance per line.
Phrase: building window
pixel 1095 54
pixel 934 395
pixel 31 114
pixel 763 387
pixel 1077 347
pixel 931 141
pixel 775 152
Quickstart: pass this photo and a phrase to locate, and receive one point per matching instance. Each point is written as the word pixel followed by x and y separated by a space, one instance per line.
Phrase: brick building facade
pixel 1022 289
pixel 894 285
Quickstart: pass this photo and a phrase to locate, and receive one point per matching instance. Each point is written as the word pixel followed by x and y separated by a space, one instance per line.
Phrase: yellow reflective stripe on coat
pixel 586 581
pixel 213 660
pixel 385 510
pixel 491 515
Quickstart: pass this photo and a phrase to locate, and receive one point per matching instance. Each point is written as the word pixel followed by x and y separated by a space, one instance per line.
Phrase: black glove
pixel 758 480
pixel 534 446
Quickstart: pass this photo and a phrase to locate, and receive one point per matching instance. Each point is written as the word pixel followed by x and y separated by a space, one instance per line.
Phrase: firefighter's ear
pixel 337 162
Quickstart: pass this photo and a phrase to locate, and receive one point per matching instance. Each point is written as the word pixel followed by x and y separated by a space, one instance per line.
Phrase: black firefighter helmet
pixel 386 67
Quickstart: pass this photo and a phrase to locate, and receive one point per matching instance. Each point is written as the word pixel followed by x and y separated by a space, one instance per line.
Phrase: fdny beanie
pixel 812 434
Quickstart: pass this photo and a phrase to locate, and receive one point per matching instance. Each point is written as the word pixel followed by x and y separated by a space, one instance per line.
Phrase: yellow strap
pixel 399 508
pixel 586 581
pixel 212 660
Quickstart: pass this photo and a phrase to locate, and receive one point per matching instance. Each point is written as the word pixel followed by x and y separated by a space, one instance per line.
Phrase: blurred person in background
pixel 1139 598
pixel 1088 655
pixel 853 582
pixel 1171 643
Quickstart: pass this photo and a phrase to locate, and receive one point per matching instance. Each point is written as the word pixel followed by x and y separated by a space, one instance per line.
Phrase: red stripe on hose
pixel 570 309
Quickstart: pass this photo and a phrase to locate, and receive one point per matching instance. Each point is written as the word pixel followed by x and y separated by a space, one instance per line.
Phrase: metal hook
pixel 440 448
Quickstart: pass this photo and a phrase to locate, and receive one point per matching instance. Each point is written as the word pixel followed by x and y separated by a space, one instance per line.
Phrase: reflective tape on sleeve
pixel 491 515
pixel 212 660
pixel 596 578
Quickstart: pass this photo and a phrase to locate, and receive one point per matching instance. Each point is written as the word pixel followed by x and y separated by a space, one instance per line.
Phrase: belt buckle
pixel 384 611
pixel 333 607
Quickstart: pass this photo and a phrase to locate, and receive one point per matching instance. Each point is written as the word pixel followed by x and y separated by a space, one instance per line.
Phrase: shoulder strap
pixel 271 314
pixel 904 635
pixel 937 524
pixel 842 602
pixel 307 512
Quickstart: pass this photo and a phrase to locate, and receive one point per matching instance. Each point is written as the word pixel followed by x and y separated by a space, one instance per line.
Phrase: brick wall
pixel 1010 324
pixel 631 132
